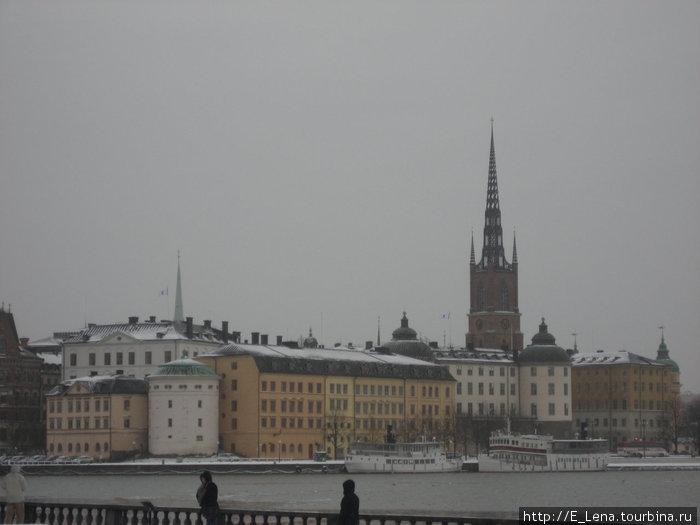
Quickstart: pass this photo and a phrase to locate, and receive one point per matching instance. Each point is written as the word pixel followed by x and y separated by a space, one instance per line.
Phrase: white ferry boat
pixel 401 458
pixel 511 452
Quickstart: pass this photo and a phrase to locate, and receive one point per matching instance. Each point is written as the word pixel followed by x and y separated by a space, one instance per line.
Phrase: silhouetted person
pixel 349 505
pixel 207 497
pixel 14 485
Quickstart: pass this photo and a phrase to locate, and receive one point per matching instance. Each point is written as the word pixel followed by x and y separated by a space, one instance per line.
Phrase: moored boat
pixel 510 452
pixel 401 458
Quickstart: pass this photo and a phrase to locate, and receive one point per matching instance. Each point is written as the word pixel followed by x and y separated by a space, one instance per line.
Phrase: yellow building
pixel 623 396
pixel 104 417
pixel 289 403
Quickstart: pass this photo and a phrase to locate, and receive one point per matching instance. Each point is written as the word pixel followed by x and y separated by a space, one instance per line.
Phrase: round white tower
pixel 183 408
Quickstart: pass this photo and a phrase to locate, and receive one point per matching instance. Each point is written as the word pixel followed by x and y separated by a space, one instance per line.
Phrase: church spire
pixel 492 250
pixel 472 257
pixel 178 316
pixel 515 250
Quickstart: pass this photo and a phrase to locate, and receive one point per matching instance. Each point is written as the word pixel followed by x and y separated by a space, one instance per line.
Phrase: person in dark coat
pixel 207 497
pixel 349 505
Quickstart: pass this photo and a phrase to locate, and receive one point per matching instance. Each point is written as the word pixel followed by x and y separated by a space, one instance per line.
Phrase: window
pixel 170 422
pixel 199 422
pixel 148 357
pixel 234 423
pixel 127 404
pixel 73 359
pixel 550 389
pixel 170 403
pixel 551 409
pixel 263 386
pixel 481 389
pixel 234 384
pixel 533 371
pixel 533 409
pixel 127 423
pixel 91 358
pixel 168 356
pixel 132 358
pixel 108 359
pixel 120 358
pixel 533 389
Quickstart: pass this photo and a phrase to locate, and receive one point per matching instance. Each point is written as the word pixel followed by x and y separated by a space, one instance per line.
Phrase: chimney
pixel 189 332
pixel 263 339
pixel 368 345
pixel 133 320
pixel 236 337
pixel 152 319
pixel 224 331
pixel 207 323
pixel 23 341
pixel 279 340
pixel 255 337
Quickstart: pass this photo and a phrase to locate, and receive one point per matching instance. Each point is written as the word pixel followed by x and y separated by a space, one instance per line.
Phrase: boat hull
pixel 552 463
pixel 394 465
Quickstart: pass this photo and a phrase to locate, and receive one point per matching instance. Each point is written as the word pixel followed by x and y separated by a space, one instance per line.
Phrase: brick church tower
pixel 494 318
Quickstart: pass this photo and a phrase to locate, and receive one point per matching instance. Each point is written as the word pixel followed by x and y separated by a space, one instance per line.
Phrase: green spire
pixel 178 316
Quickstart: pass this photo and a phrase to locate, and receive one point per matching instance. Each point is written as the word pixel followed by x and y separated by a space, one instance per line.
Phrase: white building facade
pixel 183 409
pixel 136 349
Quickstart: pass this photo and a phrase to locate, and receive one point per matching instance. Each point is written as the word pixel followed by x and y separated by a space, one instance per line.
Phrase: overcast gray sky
pixel 324 163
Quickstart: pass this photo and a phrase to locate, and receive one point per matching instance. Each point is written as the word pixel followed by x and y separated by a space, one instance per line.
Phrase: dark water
pixel 461 493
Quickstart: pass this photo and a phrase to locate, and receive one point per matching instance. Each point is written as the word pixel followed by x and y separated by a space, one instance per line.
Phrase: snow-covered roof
pixel 476 355
pixel 145 331
pixel 104 385
pixel 334 361
pixel 50 358
pixel 620 357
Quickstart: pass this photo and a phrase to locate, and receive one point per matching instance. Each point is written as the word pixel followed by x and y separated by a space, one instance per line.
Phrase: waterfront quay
pixel 63 513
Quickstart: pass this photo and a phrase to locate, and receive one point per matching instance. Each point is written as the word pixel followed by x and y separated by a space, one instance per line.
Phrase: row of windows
pixel 491 386
pixel 603 387
pixel 291 387
pixel 388 390
pixel 551 389
pixel 491 370
pixel 380 408
pixel 623 422
pixel 291 406
pixel 482 409
pixel 119 358
pixel 636 371
pixel 551 409
pixel 78 423
pixel 82 405
pixel 623 405
pixel 5 397
pixel 58 447
pixel 285 422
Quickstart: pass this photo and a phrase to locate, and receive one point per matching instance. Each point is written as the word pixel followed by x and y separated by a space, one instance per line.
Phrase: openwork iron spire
pixel 492 250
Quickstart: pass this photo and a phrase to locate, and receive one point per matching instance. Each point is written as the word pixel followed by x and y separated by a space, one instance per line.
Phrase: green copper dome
pixel 184 367
pixel 662 355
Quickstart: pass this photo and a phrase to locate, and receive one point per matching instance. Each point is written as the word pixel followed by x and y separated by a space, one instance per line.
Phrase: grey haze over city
pixel 324 164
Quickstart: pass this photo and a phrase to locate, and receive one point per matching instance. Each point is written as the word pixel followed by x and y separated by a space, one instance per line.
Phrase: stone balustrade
pixel 146 514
